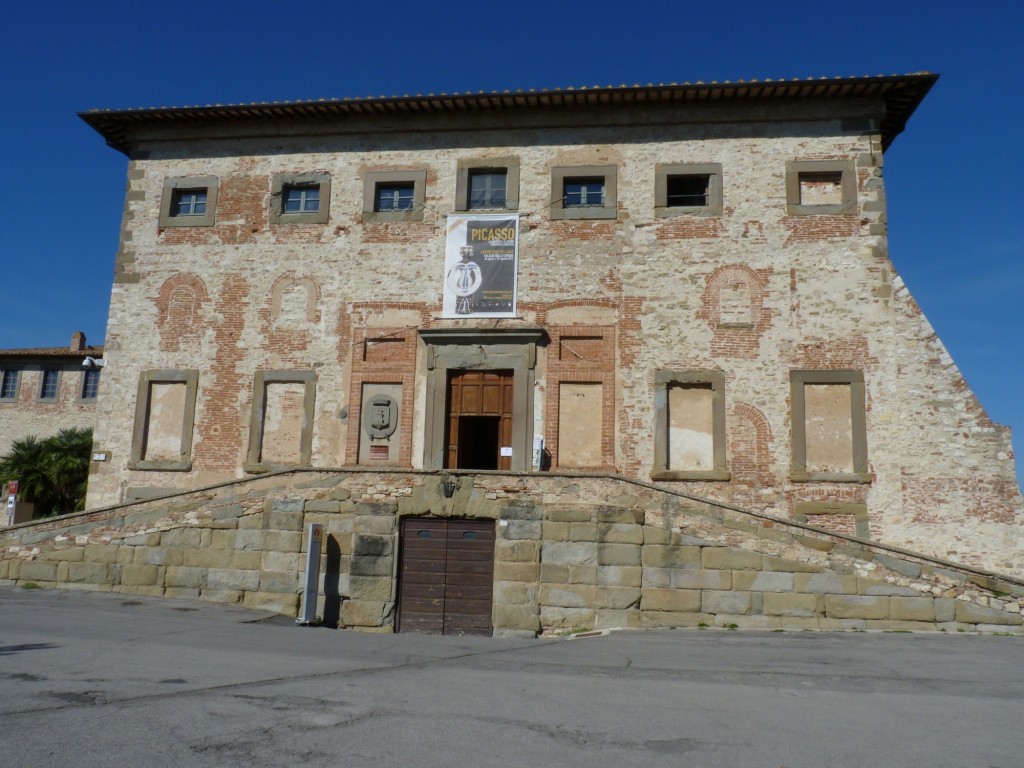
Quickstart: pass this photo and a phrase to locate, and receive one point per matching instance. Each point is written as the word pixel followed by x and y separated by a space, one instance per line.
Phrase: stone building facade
pixel 703 299
pixel 46 389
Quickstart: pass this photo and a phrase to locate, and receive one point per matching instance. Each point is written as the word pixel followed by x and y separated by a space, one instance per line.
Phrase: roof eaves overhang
pixel 901 94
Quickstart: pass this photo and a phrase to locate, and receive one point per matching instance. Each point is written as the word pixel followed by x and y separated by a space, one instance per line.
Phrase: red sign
pixel 12 487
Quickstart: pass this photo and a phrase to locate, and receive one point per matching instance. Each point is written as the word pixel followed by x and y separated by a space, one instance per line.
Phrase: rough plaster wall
pixel 579 424
pixel 829 428
pixel 164 422
pixel 690 428
pixel 282 423
pixel 822 295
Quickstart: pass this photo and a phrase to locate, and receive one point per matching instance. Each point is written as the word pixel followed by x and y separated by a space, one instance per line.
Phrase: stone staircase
pixel 572 552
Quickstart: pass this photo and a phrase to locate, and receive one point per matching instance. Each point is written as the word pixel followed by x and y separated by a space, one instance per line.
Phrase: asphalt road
pixel 106 680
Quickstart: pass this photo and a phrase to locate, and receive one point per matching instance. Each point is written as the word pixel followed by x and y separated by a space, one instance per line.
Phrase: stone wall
pixel 573 552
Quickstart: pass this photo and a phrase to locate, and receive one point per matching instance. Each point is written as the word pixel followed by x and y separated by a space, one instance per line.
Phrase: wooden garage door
pixel 447 574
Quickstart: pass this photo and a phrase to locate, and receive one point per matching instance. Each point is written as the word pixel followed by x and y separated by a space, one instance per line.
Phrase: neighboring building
pixel 684 284
pixel 46 389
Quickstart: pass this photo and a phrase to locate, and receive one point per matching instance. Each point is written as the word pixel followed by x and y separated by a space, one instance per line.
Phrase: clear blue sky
pixel 954 178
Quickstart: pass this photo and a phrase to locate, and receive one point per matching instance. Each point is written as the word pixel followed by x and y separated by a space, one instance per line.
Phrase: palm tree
pixel 51 473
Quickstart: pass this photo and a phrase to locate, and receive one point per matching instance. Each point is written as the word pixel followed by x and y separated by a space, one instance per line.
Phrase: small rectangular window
pixel 90 384
pixel 398 196
pixel 816 187
pixel 829 426
pixel 687 190
pixel 301 199
pixel 48 385
pixel 9 385
pixel 487 189
pixel 583 193
pixel 689 430
pixel 188 202
pixel 821 188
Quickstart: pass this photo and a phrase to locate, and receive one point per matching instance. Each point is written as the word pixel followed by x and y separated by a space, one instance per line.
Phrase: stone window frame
pixel 416 176
pixel 281 181
pixel 42 381
pixel 848 186
pixel 81 388
pixel 562 173
pixel 16 373
pixel 662 381
pixel 253 461
pixel 662 171
pixel 174 184
pixel 467 166
pixel 858 416
pixel 188 377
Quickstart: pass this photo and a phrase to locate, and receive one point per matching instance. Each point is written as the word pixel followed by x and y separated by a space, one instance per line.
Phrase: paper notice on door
pixel 506 450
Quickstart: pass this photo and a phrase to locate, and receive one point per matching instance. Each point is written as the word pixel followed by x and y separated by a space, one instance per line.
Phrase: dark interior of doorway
pixel 478 442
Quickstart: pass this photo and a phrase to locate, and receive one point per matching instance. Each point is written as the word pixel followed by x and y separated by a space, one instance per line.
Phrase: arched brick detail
pixel 737 329
pixel 282 300
pixel 180 305
pixel 750 440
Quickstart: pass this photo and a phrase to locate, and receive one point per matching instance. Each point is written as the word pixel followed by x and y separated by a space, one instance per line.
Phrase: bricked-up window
pixel 189 201
pixel 394 196
pixel 815 187
pixel 487 184
pixel 9 385
pixel 300 198
pixel 584 192
pixel 829 426
pixel 689 432
pixel 90 384
pixel 49 384
pixel 281 423
pixel 687 189
pixel 164 421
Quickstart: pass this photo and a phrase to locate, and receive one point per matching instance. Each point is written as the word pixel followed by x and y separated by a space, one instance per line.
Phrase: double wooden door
pixel 446 579
pixel 479 420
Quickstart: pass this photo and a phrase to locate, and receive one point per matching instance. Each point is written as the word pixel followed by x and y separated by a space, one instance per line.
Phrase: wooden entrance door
pixel 479 419
pixel 446 580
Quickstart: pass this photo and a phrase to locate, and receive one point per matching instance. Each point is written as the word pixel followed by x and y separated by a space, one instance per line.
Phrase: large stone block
pixel 582 574
pixel 529 572
pixel 620 533
pixel 617 514
pixel 671 600
pixel 75 555
pixel 221 595
pixel 364 613
pixel 668 556
pixel 364 545
pixel 582 532
pixel 158 556
pixel 731 602
pixel 728 558
pixel 617 619
pixel 101 553
pixel 139 575
pixel 772 563
pixel 88 573
pixel 372 566
pixel 653 535
pixel 656 619
pixel 568 513
pixel 698 578
pixel 374 588
pixel 856 607
pixel 763 581
pixel 912 609
pixel 568 595
pixel 279 581
pixel 232 579
pixel 552 531
pixel 521 529
pixel 575 619
pixel 280 561
pixel 618 598
pixel 569 552
pixel 783 604
pixel 619 554
pixel 180 537
pixel 272 601
pixel 522 551
pixel 185 577
pixel 969 613
pixel 316 505
pixel 516 617
pixel 877 588
pixel 620 575
pixel 825 583
pixel 514 593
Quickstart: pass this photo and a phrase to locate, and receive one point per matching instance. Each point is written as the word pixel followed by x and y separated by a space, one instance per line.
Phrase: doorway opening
pixel 479 420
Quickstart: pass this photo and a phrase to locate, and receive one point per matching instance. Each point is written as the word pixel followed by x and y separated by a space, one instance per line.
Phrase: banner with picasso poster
pixel 481 265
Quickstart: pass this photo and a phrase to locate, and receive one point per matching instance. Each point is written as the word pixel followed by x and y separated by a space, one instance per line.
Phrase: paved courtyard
pixel 90 679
